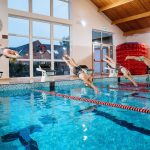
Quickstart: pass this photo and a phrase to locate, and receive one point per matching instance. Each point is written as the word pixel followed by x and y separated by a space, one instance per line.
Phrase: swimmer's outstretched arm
pixel 67 61
pixel 147 62
pixel 92 86
pixel 9 53
pixel 126 73
pixel 134 57
pixel 132 80
pixel 70 61
pixel 140 58
pixel 110 59
pixel 112 64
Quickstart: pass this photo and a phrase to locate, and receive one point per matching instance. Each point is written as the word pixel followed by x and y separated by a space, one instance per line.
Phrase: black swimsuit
pixel 77 70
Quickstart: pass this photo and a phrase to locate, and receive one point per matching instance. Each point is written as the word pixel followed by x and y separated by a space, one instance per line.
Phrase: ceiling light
pixel 83 23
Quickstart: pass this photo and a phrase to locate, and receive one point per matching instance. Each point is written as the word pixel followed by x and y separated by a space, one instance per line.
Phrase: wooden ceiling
pixel 131 16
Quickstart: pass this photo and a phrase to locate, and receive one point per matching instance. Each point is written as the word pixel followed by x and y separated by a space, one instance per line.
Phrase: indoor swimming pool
pixel 36 119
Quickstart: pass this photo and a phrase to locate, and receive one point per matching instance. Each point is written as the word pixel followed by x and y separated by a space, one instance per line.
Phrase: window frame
pixel 31 37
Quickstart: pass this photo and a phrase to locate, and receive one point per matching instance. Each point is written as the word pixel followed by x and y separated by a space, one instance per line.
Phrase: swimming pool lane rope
pixel 132 108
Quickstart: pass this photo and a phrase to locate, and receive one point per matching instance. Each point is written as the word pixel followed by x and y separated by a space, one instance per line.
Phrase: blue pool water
pixel 34 120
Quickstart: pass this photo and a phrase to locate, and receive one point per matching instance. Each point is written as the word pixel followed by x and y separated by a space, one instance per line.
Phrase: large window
pixel 46 44
pixel 37 40
pixel 55 8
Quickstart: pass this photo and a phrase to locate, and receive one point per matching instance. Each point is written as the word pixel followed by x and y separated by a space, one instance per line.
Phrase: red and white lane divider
pixel 132 108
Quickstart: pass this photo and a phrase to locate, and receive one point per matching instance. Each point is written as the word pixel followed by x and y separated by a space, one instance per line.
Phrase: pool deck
pixel 38 79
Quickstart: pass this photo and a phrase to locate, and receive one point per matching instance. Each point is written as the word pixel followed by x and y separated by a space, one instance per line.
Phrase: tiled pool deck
pixel 58 83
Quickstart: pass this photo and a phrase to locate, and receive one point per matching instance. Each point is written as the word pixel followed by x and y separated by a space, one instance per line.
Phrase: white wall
pixel 82 36
pixel 142 38
pixel 4 62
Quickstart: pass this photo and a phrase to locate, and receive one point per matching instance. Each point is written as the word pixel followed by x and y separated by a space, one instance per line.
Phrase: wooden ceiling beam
pixel 137 31
pixel 115 4
pixel 134 17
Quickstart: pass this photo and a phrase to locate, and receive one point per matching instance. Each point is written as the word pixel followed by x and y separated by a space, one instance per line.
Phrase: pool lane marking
pixel 127 89
pixel 139 83
pixel 132 108
pixel 138 96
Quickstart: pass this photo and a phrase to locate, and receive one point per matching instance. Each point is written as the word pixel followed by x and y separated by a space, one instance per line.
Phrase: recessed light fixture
pixel 83 23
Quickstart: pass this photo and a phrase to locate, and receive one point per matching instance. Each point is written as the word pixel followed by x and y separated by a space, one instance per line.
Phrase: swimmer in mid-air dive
pixel 77 70
pixel 121 69
pixel 140 58
pixel 8 53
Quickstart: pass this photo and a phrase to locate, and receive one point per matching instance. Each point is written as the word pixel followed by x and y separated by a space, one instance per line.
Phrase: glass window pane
pixel 107 38
pixel 19 44
pixel 96 36
pixel 19 4
pixel 61 9
pixel 61 32
pixel 97 67
pixel 41 29
pixel 61 48
pixel 36 65
pixel 105 51
pixel 41 49
pixel 61 68
pixel 18 26
pixel 41 7
pixel 19 69
pixel 97 55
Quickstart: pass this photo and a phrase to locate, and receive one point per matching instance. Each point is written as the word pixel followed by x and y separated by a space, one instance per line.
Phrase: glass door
pixel 99 53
